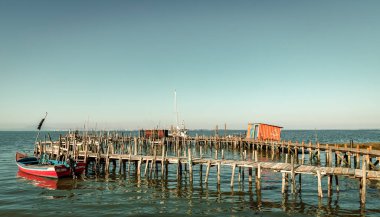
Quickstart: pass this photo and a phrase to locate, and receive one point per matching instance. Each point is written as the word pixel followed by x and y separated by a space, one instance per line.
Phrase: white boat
pixel 178 131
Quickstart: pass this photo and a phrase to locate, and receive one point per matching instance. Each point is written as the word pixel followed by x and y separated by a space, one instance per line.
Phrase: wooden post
pixel 337 183
pixel 357 160
pixel 129 163
pixel 293 175
pixel 200 152
pixel 330 157
pixel 207 171
pixel 303 153
pixel 250 175
pixel 120 165
pixel 349 159
pixel 179 169
pixel 286 158
pixel 107 159
pixel 299 182
pixel 283 182
pixel 233 175
pixel 190 162
pixel 310 153
pixel 200 173
pixel 135 149
pixel 163 159
pixel 329 186
pixel 320 193
pixel 364 182
pixel 218 173
pixel 319 152
pixel 139 167
pixel 258 177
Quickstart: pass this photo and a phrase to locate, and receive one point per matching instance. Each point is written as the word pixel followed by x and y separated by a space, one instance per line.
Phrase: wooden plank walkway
pixel 112 149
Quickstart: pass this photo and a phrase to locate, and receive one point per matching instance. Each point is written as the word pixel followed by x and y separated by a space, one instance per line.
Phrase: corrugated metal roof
pixel 265 124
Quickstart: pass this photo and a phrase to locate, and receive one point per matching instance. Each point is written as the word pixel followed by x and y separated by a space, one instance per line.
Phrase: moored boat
pixel 50 168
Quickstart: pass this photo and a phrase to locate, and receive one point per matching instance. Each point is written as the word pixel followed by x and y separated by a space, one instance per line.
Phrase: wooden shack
pixel 154 134
pixel 261 131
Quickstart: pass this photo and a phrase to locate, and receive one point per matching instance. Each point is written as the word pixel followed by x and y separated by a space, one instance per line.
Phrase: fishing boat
pixel 42 166
pixel 178 131
pixel 49 168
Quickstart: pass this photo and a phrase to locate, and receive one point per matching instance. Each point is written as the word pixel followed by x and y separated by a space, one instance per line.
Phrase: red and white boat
pixel 51 169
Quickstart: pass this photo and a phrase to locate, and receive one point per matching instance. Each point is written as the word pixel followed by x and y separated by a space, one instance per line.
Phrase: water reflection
pixel 169 194
pixel 52 184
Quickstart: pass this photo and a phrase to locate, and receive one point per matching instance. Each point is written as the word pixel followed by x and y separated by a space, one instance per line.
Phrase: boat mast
pixel 39 129
pixel 175 107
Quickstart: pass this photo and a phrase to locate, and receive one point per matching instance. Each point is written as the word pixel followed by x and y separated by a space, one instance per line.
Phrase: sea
pixel 126 195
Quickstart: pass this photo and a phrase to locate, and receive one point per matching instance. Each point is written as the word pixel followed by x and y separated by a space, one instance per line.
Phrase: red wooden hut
pixel 261 131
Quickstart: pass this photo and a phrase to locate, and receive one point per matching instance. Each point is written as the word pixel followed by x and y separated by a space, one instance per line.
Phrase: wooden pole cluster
pixel 103 150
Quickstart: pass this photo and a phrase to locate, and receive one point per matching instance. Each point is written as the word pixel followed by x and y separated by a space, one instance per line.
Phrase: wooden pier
pixel 152 157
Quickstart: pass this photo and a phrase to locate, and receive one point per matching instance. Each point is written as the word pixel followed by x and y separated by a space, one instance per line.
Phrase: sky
pixel 116 64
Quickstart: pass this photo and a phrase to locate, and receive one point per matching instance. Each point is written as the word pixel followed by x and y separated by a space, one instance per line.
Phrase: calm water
pixel 21 195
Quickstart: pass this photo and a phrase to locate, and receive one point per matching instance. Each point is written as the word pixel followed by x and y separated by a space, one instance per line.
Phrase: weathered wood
pixel 293 175
pixel 163 159
pixel 139 167
pixel 190 162
pixel 91 149
pixel 329 186
pixel 364 183
pixel 233 175
pixel 135 148
pixel 320 193
pixel 336 183
pixel 283 182
pixel 218 176
pixel 207 171
pixel 250 175
pixel 179 169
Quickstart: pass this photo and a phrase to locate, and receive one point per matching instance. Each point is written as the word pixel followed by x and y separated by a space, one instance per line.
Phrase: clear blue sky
pixel 299 64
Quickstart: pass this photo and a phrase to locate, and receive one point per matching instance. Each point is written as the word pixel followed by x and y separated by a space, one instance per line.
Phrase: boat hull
pixel 51 171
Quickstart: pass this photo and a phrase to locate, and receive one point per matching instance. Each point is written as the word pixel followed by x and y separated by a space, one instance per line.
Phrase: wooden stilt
pixel 139 167
pixel 250 175
pixel 283 182
pixel 299 182
pixel 190 162
pixel 320 193
pixel 329 186
pixel 337 183
pixel 233 175
pixel 218 173
pixel 293 175
pixel 207 171
pixel 179 170
pixel 163 159
pixel 135 148
pixel 364 183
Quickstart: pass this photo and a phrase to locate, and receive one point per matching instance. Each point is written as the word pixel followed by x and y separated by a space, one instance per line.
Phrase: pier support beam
pixel 233 175
pixel 207 171
pixel 363 183
pixel 320 193
pixel 329 186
